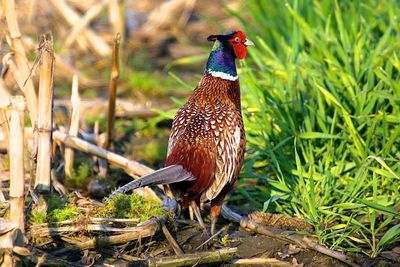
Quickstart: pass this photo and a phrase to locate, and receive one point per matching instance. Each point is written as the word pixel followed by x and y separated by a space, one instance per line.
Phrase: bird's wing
pixel 230 151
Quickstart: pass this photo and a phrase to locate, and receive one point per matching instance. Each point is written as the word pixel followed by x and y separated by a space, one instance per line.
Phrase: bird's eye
pixel 237 39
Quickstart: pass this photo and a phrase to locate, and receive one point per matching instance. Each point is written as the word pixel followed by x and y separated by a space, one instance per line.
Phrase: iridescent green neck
pixel 221 62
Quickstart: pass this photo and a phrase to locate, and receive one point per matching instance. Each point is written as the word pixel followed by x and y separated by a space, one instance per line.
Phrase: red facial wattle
pixel 240 50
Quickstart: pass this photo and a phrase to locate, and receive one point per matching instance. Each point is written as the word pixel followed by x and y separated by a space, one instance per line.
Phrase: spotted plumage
pixel 207 140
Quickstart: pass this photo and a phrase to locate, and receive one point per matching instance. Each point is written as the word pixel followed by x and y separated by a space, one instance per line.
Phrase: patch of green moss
pixel 66 213
pixel 130 206
pixel 58 209
pixel 38 217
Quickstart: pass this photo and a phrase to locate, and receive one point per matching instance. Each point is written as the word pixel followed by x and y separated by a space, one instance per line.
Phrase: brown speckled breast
pixel 208 139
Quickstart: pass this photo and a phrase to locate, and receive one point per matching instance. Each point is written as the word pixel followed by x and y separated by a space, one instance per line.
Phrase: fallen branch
pixel 132 167
pixel 123 108
pixel 194 259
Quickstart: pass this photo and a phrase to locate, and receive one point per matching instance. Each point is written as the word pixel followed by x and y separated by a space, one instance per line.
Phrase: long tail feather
pixel 168 175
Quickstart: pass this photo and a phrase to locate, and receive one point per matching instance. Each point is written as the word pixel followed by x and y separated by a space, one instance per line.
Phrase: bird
pixel 207 141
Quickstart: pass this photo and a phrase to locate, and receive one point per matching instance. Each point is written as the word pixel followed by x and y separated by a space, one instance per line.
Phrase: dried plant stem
pixel 17 172
pixel 4 125
pixel 80 25
pixel 116 17
pixel 130 166
pixel 124 108
pixel 175 246
pixel 146 229
pixel 194 259
pixel 47 231
pixel 262 262
pixel 22 62
pixel 74 126
pixel 42 181
pixel 4 103
pixel 96 43
pixel 113 90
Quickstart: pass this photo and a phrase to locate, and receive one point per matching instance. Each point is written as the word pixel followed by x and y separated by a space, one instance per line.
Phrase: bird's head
pixel 237 41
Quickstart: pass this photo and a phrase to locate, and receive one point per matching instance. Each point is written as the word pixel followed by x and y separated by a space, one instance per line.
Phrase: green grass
pixel 321 102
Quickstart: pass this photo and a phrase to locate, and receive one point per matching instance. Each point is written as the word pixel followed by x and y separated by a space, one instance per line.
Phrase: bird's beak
pixel 248 42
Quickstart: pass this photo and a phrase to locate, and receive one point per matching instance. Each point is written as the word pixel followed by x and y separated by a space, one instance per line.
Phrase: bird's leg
pixel 215 211
pixel 191 213
pixel 196 211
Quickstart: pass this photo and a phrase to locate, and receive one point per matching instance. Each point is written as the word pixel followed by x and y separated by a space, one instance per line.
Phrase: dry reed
pixel 17 171
pixel 42 181
pixel 20 56
pixel 74 126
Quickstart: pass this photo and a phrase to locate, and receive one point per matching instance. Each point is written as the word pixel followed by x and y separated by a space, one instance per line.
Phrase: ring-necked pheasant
pixel 207 141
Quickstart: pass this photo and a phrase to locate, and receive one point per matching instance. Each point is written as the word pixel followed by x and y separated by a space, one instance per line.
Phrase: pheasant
pixel 207 141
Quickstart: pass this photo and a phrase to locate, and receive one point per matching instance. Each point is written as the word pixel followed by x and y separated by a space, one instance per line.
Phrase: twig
pixel 194 259
pixel 17 172
pixel 74 126
pixel 279 234
pixel 20 56
pixel 175 246
pixel 112 91
pixel 45 118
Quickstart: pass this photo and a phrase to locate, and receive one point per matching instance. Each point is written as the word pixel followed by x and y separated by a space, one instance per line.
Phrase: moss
pixel 58 209
pixel 130 206
pixel 38 217
pixel 67 213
